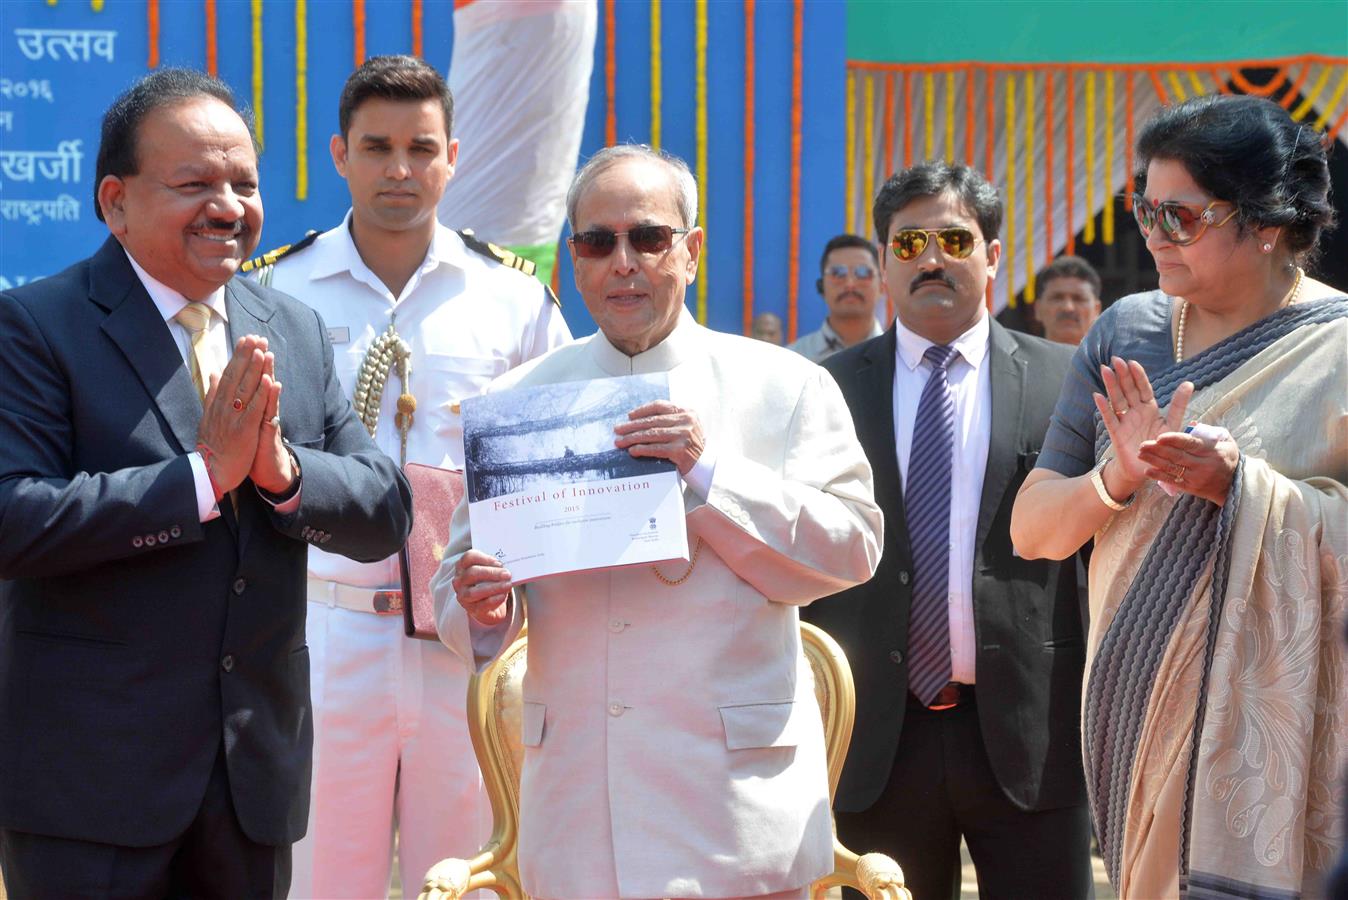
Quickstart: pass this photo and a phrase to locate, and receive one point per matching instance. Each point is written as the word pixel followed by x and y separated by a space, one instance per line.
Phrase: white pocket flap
pixel 531 723
pixel 760 725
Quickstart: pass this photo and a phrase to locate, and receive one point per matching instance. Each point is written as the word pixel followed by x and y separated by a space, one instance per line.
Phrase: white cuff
pixel 287 507
pixel 700 475
pixel 206 506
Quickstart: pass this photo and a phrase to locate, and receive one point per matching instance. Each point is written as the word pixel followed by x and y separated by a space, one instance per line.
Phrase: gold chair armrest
pixel 447 880
pixel 493 870
pixel 881 878
pixel 874 874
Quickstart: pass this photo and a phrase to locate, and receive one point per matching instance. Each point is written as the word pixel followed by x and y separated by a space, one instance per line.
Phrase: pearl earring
pixel 1267 248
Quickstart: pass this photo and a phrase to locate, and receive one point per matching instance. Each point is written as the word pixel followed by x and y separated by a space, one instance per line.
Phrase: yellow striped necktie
pixel 196 318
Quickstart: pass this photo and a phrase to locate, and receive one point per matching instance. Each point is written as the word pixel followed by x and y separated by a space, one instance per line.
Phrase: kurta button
pixel 163 537
pixel 896 656
pixel 175 532
pixel 227 663
pixel 150 540
pixel 240 585
pixel 616 625
pixel 138 542
pixel 615 709
pixel 904 577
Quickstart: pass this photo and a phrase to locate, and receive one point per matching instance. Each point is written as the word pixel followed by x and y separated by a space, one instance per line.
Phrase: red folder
pixel 435 493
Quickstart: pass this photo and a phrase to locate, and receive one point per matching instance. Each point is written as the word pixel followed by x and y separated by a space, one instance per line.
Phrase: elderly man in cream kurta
pixel 673 744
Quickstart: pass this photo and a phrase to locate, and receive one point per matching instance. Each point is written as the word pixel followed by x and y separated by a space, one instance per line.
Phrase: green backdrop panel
pixel 1132 31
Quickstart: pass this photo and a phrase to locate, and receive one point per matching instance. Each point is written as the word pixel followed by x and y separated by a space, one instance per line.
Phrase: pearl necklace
pixel 1288 299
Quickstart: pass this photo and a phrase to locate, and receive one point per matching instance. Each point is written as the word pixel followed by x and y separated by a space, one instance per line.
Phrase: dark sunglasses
pixel 1181 223
pixel 910 243
pixel 651 240
pixel 860 273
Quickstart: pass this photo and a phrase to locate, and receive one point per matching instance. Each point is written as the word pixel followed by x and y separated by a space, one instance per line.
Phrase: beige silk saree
pixel 1214 713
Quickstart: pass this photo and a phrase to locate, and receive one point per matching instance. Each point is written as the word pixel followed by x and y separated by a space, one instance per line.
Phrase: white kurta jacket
pixel 673 743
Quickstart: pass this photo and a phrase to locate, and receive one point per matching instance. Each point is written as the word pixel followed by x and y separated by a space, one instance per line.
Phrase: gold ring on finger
pixel 237 404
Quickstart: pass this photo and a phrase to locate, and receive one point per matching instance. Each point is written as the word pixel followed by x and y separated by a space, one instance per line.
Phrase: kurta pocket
pixel 761 725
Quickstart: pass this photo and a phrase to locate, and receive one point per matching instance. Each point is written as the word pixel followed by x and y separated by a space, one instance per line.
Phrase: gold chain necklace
pixel 675 582
pixel 1288 299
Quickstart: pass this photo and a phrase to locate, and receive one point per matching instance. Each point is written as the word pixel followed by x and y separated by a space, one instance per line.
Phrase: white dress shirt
pixel 467 319
pixel 169 303
pixel 971 392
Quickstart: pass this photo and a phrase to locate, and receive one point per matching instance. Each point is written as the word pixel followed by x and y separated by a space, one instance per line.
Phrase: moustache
pixel 938 276
pixel 238 226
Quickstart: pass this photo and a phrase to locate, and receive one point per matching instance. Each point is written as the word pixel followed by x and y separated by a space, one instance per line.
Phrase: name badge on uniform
pixel 339 335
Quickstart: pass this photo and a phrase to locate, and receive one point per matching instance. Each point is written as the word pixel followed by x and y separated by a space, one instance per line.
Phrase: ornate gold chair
pixel 494 703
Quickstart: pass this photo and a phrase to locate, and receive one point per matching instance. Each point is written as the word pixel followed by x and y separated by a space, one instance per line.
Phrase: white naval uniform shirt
pixel 971 391
pixel 467 319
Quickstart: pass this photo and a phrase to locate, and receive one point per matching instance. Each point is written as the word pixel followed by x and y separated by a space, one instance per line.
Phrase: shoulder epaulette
pixel 500 254
pixel 271 257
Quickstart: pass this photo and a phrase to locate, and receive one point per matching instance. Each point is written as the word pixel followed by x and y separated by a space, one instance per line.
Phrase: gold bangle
pixel 1097 479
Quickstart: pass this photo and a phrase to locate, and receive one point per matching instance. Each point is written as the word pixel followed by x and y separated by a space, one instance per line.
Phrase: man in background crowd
pixel 967 659
pixel 391 744
pixel 849 280
pixel 767 327
pixel 1069 299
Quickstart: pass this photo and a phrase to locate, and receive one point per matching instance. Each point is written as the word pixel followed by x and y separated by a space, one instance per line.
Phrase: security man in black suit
pixel 967 659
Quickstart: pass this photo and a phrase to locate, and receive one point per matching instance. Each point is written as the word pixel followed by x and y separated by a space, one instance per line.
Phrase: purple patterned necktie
pixel 927 505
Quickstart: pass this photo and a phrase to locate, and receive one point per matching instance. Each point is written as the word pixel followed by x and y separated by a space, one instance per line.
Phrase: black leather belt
pixel 952 695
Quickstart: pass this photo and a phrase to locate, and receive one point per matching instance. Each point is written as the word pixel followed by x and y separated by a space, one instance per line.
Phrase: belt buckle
pixel 947 697
pixel 388 602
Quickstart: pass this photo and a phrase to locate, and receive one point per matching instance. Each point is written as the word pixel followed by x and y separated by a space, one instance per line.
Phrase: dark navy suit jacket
pixel 136 641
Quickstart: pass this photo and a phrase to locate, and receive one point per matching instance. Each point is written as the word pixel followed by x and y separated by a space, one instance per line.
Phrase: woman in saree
pixel 1201 439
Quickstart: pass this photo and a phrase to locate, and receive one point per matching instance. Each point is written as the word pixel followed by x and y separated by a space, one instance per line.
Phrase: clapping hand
pixel 1195 465
pixel 232 414
pixel 1132 417
pixel 272 468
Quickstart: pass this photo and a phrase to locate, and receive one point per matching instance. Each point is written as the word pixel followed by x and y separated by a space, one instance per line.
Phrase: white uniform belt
pixel 357 599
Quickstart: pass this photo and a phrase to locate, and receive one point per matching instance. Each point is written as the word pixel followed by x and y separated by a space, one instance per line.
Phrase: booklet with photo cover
pixel 549 493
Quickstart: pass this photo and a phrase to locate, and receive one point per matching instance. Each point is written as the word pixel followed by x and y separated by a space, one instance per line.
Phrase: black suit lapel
pixel 251 313
pixel 136 327
pixel 875 428
pixel 1007 375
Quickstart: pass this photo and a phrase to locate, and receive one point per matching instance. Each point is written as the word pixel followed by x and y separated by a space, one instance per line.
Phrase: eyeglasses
pixel 1181 223
pixel 651 240
pixel 859 272
pixel 910 243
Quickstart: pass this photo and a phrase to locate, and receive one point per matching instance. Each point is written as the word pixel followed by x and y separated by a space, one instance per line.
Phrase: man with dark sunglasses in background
pixel 849 280
pixel 967 659
pixel 672 741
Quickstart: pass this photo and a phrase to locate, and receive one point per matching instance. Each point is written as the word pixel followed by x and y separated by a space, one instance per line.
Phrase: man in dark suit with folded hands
pixel 967 658
pixel 157 500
